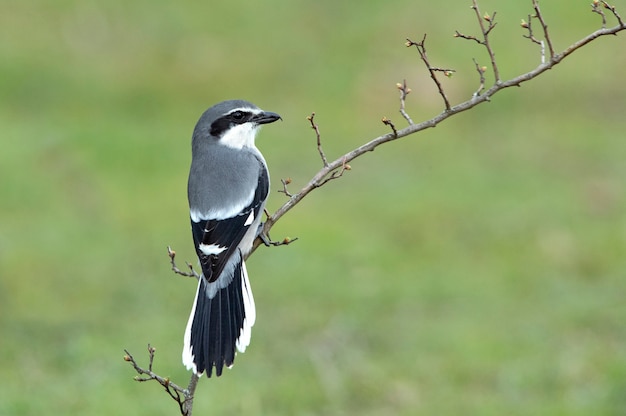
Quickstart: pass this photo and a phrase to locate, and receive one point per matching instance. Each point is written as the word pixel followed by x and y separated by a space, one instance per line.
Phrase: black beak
pixel 266 117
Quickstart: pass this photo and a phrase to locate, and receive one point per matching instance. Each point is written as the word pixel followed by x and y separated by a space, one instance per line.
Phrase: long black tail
pixel 221 320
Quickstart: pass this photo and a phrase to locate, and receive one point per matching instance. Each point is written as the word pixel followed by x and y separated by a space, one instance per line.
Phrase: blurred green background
pixel 476 268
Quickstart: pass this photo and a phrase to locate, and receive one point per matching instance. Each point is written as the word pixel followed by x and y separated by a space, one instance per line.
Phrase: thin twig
pixel 458 34
pixel 318 137
pixel 285 182
pixel 388 122
pixel 595 7
pixel 481 73
pixel 615 13
pixel 421 48
pixel 335 174
pixel 531 35
pixel 544 25
pixel 267 240
pixel 485 32
pixel 191 273
pixel 284 242
pixel 404 91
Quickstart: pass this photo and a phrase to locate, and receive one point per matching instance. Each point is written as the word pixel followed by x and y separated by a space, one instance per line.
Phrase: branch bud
pixel 126 357
pixel 487 17
pixel 524 24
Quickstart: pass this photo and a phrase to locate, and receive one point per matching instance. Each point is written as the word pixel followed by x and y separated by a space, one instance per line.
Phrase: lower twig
pixel 191 273
pixel 184 397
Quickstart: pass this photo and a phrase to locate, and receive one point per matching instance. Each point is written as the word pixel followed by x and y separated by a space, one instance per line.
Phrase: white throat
pixel 240 136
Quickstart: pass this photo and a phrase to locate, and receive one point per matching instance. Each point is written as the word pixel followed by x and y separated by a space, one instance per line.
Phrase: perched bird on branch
pixel 227 189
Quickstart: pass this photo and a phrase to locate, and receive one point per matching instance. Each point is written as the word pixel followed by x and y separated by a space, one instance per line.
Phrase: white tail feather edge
pixel 249 309
pixel 188 355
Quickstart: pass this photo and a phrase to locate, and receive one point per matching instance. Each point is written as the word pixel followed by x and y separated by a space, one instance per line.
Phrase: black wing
pixel 226 234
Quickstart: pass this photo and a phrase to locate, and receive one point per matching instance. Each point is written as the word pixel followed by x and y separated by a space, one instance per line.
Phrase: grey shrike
pixel 227 189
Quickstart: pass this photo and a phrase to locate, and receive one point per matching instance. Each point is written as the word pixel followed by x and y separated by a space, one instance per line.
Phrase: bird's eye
pixel 238 115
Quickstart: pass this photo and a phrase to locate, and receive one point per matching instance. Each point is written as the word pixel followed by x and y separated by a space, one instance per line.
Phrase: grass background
pixel 476 268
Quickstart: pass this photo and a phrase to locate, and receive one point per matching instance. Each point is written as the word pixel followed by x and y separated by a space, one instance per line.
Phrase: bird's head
pixel 232 123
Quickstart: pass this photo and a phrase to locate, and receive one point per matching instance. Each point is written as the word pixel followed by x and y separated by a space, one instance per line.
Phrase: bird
pixel 227 189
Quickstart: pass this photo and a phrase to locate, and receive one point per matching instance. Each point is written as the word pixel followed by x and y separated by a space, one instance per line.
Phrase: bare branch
pixel 184 397
pixel 475 100
pixel 421 48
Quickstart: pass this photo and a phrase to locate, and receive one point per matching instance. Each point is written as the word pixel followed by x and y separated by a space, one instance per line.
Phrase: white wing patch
pixel 209 249
pixel 250 219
